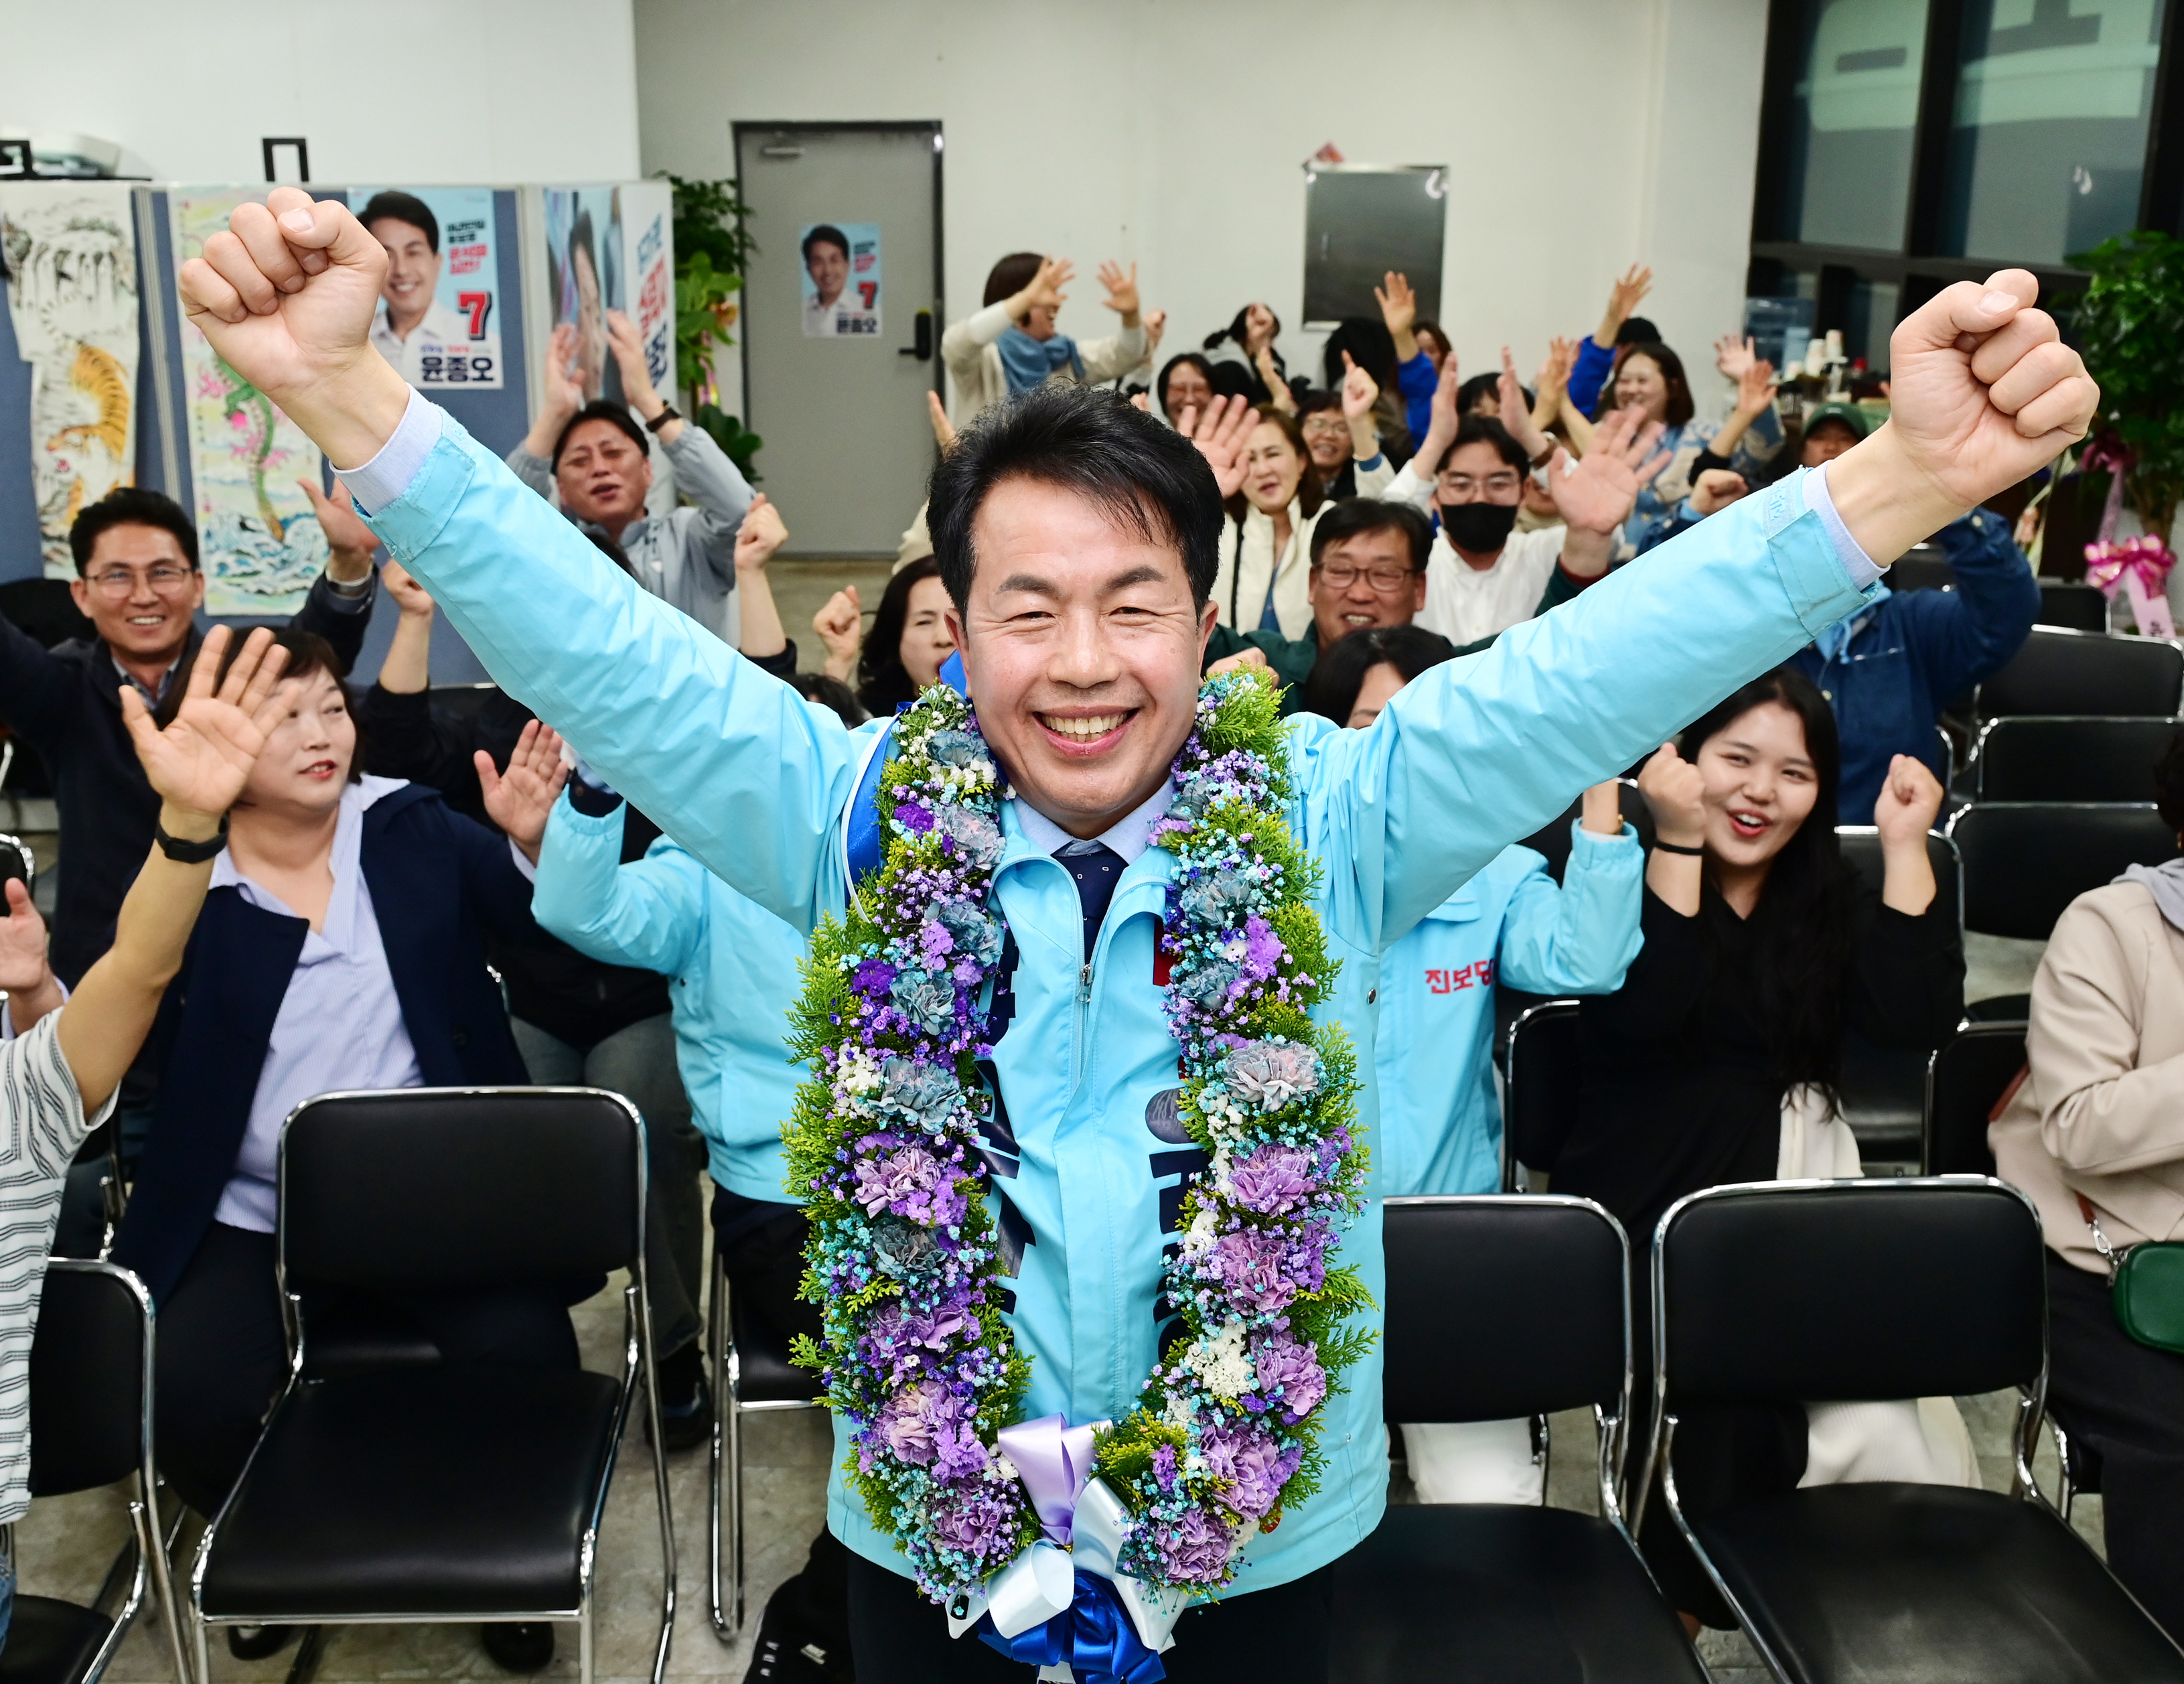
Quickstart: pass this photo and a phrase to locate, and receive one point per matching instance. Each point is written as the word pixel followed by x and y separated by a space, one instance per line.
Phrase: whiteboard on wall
pixel 1363 220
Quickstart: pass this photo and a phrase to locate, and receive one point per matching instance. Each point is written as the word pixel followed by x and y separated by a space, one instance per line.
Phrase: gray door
pixel 837 360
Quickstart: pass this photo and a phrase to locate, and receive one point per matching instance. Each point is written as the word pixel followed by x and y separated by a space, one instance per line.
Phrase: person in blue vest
pixel 732 971
pixel 1440 1119
pixel 1078 539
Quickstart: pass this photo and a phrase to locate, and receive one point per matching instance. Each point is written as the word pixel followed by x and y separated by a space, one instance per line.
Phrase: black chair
pixel 1553 838
pixel 2075 607
pixel 751 1373
pixel 2025 757
pixel 462 700
pixel 2024 861
pixel 2061 671
pixel 45 608
pixel 1872 1291
pixel 1883 1087
pixel 1967 1075
pixel 1540 1106
pixel 90 1425
pixel 1494 1592
pixel 1922 567
pixel 432 1492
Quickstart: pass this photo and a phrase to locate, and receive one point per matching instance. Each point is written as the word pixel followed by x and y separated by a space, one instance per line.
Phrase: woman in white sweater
pixel 1012 344
pixel 1266 547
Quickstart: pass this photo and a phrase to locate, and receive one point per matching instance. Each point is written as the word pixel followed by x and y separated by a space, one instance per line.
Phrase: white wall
pixel 416 91
pixel 1580 134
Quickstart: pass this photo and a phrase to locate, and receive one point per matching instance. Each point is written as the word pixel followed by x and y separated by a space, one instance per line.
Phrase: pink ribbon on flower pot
pixel 2140 568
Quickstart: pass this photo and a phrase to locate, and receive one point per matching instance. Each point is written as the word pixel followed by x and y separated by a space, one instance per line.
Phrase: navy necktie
pixel 1097 868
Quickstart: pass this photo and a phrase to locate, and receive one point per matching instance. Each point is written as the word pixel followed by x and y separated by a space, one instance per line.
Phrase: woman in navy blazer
pixel 342 946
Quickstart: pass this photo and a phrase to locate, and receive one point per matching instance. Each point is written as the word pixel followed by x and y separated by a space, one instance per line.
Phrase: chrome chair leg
pixel 727 1623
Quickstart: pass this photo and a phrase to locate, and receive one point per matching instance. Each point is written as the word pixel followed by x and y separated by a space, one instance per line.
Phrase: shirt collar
pixel 151 698
pixel 1130 835
pixel 1835 639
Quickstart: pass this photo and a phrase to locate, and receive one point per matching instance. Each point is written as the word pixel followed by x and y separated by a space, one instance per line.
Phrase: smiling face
pixel 1187 389
pixel 1364 580
pixel 1038 321
pixel 305 764
pixel 1641 381
pixel 828 266
pixel 1082 646
pixel 602 476
pixel 1761 784
pixel 1826 442
pixel 1271 469
pixel 139 592
pixel 413 271
pixel 1327 435
pixel 926 640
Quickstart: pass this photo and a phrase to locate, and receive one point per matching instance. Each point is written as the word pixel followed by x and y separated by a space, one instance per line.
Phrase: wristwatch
pixel 188 853
pixel 668 412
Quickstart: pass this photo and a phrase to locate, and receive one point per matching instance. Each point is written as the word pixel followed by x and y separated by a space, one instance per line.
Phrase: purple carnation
pixel 1263 949
pixel 1289 1367
pixel 977 1519
pixel 1164 1467
pixel 1194 1548
pixel 909 1182
pixel 1273 1180
pixel 1249 1264
pixel 1255 1466
pixel 926 1425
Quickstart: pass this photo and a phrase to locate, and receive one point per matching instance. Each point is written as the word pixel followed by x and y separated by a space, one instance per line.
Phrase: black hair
pixel 825 234
pixel 1314 399
pixel 1331 690
pixel 1478 386
pixel 392 204
pixel 599 409
pixel 1011 275
pixel 1419 330
pixel 607 547
pixel 1138 472
pixel 308 654
pixel 1477 429
pixel 1638 330
pixel 1681 407
pixel 1371 347
pixel 1235 330
pixel 1196 358
pixel 2169 782
pixel 580 239
pixel 1803 922
pixel 1354 515
pixel 131 506
pixel 817 687
pixel 883 684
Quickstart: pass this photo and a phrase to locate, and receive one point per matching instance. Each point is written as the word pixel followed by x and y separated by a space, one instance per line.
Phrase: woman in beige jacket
pixel 2100 1115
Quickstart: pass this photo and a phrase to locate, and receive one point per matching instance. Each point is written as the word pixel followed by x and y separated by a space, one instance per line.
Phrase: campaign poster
pixel 584 280
pixel 647 212
pixel 841 286
pixel 439 308
pixel 258 541
pixel 71 262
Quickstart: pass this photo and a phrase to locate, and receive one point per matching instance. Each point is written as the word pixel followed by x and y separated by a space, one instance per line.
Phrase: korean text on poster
pixel 841 287
pixel 439 308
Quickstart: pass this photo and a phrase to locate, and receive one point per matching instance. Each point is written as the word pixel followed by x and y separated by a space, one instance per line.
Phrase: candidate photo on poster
pixel 438 320
pixel 841 286
pixel 584 276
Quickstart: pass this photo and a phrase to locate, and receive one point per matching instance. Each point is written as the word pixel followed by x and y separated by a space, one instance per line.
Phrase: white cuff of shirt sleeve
pixel 383 479
pixel 1862 569
pixel 523 862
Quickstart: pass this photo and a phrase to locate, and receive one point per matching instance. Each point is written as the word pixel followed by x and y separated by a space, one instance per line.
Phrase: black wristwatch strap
pixel 1679 848
pixel 189 853
pixel 668 413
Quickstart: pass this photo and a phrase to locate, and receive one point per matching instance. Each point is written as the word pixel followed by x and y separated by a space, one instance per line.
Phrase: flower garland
pixel 916 1354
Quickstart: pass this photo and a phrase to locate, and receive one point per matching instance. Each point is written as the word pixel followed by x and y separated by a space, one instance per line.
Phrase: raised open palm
pixel 1219 435
pixel 1597 493
pixel 521 800
pixel 201 760
pixel 1983 390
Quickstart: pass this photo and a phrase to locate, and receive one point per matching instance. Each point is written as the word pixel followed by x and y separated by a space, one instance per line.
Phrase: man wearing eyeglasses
pixel 139 583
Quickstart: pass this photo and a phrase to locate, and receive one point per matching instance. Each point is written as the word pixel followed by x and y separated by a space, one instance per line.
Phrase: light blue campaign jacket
pixel 1468 758
pixel 733 966
pixel 1440 1124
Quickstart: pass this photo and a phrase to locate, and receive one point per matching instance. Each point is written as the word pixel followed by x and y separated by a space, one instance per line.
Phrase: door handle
pixel 922 350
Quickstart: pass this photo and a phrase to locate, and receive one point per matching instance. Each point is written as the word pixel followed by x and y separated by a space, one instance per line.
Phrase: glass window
pixel 2049 140
pixel 1849 178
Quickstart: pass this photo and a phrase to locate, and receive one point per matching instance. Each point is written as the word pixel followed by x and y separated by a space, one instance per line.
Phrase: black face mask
pixel 1482 528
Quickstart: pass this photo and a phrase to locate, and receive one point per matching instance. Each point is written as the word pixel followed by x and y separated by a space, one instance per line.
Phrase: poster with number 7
pixel 439 309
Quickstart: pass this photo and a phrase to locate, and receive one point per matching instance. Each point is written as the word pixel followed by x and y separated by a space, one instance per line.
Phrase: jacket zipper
pixel 1077 1039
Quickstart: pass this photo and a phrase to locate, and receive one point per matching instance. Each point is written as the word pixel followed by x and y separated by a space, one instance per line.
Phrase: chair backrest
pixel 2024 861
pixel 2087 672
pixel 1501 1305
pixel 2027 758
pixel 1861 851
pixel 91 1377
pixel 1845 1291
pixel 2076 607
pixel 1553 839
pixel 462 701
pixel 1541 1106
pixel 1923 567
pixel 473 1187
pixel 1966 1075
pixel 45 608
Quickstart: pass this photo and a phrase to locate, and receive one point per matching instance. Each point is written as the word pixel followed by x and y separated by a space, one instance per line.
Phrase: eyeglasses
pixel 1494 485
pixel 120 582
pixel 1383 578
pixel 1325 422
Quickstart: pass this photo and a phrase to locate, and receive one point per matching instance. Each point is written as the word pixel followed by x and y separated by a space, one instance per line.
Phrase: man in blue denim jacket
pixel 1079 546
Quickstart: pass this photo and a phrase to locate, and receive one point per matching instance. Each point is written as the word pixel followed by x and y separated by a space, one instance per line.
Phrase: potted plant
pixel 712 248
pixel 2130 327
